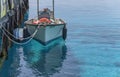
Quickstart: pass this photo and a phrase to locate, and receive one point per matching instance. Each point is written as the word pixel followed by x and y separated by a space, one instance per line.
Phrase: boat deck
pixel 53 22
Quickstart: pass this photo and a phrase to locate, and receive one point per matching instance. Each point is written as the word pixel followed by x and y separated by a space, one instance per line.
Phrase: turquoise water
pixel 92 48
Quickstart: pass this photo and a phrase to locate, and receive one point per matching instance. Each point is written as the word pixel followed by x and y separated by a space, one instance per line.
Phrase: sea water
pixel 92 47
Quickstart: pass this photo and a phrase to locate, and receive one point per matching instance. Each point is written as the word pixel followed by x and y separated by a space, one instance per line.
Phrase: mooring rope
pixel 16 41
pixel 20 43
pixel 22 38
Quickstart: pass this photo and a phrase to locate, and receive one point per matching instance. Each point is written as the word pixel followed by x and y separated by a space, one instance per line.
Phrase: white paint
pixel 18 32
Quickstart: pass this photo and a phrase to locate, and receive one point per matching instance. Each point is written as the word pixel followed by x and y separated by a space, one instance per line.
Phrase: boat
pixel 47 26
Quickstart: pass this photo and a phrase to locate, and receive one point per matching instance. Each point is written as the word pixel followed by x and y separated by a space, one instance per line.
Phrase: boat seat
pixel 45 13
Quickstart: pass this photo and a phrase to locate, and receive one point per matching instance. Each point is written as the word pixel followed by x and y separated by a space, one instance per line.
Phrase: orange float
pixel 36 22
pixel 44 20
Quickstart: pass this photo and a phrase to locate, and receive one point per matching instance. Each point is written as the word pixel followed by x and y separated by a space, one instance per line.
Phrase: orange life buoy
pixel 44 20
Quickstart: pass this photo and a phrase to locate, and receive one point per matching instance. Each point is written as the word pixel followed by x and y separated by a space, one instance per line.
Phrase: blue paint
pixel 92 48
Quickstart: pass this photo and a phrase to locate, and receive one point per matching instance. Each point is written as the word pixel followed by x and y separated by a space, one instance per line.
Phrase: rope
pixel 31 37
pixel 22 38
pixel 15 41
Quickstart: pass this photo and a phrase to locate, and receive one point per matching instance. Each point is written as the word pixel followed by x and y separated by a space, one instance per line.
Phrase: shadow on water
pixel 34 59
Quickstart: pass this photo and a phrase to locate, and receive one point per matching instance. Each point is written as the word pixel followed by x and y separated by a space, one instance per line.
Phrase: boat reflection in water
pixel 49 60
pixel 39 60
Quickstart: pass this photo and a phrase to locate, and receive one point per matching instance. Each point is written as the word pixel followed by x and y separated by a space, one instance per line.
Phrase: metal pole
pixel 53 10
pixel 38 8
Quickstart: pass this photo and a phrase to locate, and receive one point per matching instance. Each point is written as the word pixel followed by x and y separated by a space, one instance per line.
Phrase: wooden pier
pixel 11 15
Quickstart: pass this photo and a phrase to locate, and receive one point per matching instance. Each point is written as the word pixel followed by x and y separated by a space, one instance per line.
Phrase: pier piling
pixel 14 14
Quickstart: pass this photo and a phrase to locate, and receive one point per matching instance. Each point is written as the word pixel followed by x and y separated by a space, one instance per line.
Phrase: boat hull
pixel 46 34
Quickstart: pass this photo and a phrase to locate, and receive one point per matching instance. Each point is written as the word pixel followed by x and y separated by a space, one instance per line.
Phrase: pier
pixel 11 15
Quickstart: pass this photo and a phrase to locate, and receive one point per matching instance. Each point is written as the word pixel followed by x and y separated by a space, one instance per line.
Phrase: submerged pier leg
pixel 6 43
pixel 4 47
pixel 13 22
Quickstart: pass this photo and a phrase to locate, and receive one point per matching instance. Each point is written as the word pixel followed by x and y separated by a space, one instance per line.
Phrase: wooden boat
pixel 49 28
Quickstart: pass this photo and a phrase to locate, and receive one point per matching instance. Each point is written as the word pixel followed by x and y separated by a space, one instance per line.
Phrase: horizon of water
pixel 92 47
